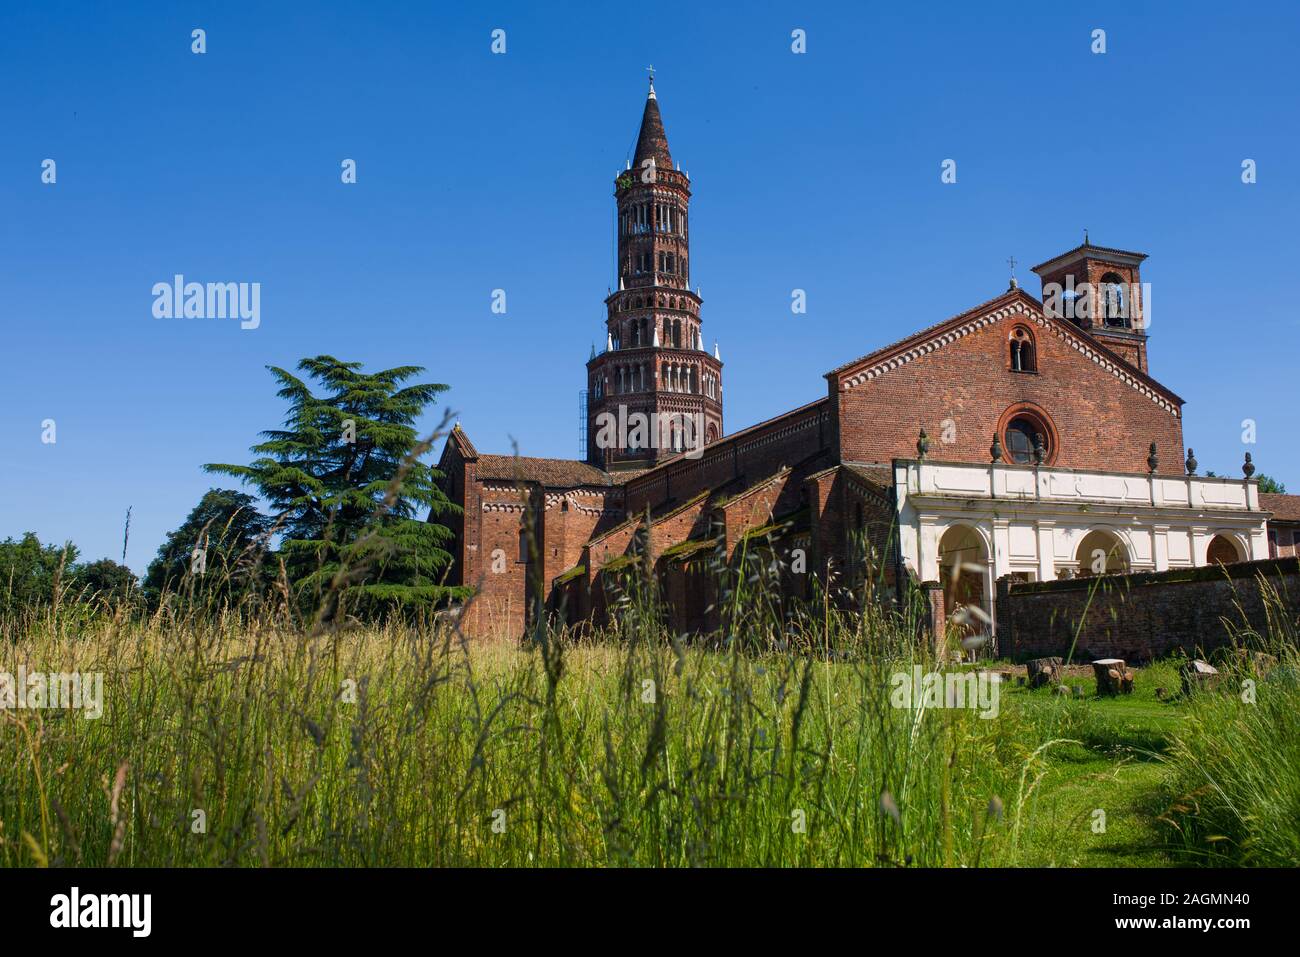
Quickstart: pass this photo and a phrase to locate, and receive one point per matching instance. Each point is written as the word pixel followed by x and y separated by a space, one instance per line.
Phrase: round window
pixel 1022 433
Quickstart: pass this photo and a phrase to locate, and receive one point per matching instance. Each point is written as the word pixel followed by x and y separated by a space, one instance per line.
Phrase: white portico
pixel 1040 523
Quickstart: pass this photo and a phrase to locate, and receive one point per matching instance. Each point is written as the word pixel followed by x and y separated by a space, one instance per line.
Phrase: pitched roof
pixel 873 473
pixel 1011 296
pixel 462 442
pixel 552 473
pixel 1285 508
pixel 1101 251
pixel 744 433
pixel 928 331
pixel 652 141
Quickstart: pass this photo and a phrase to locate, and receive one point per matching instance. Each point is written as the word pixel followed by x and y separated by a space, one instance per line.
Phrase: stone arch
pixel 1225 548
pixel 964 562
pixel 1103 551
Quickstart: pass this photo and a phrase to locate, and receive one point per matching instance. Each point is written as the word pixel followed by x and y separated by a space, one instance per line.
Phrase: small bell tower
pixel 1100 290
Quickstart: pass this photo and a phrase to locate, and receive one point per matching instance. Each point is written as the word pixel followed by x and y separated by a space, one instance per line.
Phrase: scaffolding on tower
pixel 582 425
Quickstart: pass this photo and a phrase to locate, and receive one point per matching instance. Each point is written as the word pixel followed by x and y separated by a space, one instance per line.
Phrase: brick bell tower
pixel 654 362
pixel 1100 289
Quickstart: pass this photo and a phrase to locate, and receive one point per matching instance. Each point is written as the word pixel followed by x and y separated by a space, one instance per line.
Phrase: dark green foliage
pixel 1270 485
pixel 31 572
pixel 230 532
pixel 344 481
pixel 105 579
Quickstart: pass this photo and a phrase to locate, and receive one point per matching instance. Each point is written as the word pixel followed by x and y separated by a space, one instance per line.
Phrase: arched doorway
pixel 963 567
pixel 1222 551
pixel 1101 553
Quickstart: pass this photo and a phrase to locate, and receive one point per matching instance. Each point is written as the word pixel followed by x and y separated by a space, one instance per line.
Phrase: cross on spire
pixel 1011 261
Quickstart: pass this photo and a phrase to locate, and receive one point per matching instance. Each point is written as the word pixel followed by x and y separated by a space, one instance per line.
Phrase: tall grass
pixel 246 741
pixel 239 731
pixel 1236 757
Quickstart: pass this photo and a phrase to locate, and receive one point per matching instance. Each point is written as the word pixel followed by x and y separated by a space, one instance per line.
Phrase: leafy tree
pixel 343 478
pixel 1269 484
pixel 229 532
pixel 105 578
pixel 30 571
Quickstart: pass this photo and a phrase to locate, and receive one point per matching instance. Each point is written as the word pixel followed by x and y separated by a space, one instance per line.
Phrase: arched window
pixel 677 333
pixel 1114 301
pixel 1023 358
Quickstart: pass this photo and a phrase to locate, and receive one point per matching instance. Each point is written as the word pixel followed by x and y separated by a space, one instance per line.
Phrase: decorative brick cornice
pixel 1017 308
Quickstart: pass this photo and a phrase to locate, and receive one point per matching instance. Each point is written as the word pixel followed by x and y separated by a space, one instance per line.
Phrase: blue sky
pixel 477 171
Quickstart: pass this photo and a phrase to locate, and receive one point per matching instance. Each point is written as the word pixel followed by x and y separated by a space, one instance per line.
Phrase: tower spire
pixel 652 141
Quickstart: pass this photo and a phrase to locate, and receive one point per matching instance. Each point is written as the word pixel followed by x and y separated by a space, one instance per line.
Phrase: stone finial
pixel 593 352
pixel 1248 467
pixel 922 445
pixel 1191 462
pixel 995 449
pixel 1153 460
pixel 1040 450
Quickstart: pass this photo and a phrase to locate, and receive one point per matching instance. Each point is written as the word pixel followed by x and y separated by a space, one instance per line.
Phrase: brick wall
pixel 1100 421
pixel 745 457
pixel 1141 616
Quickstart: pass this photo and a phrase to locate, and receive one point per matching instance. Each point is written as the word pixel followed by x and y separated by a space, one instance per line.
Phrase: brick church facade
pixel 1021 439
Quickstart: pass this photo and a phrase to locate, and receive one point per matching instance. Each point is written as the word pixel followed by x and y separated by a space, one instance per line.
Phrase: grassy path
pixel 1098 802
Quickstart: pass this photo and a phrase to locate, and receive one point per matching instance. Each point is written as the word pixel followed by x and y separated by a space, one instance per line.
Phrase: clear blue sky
pixel 477 171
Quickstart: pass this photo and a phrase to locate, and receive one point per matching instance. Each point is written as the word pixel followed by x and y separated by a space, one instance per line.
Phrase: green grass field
pixel 248 744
